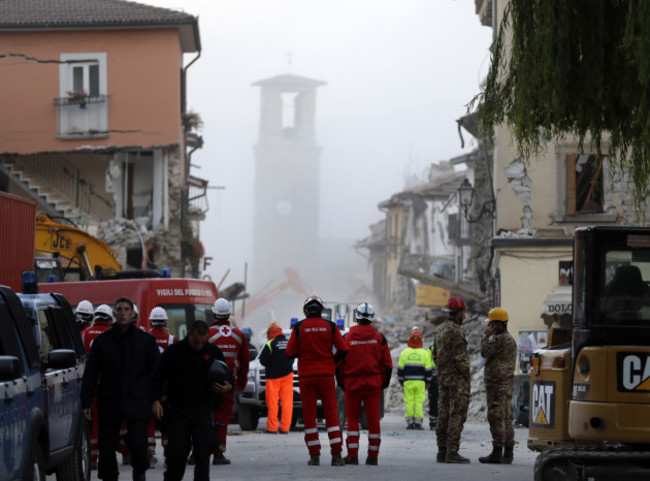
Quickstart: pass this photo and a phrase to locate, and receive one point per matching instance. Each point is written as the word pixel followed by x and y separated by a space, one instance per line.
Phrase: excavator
pixel 590 388
pixel 70 253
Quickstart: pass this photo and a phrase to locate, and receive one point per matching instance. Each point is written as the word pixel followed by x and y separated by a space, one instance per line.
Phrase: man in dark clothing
pixel 313 341
pixel 120 365
pixel 279 379
pixel 191 400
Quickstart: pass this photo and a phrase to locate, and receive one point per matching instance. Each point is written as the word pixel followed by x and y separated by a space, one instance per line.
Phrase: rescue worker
pixel 158 321
pixel 499 349
pixel 185 370
pixel 102 323
pixel 279 380
pixel 234 346
pixel 414 374
pixel 252 350
pixel 364 373
pixel 313 341
pixel 452 362
pixel 121 364
pixel 432 394
pixel 83 315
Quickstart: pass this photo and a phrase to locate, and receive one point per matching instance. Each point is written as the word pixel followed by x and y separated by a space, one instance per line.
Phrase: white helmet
pixel 221 307
pixel 364 311
pixel 104 312
pixel 84 312
pixel 158 316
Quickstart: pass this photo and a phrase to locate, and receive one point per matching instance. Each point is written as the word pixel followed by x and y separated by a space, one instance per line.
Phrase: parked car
pixel 42 361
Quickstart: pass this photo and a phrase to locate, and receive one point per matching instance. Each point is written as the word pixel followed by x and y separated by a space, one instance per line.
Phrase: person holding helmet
pixel 194 379
pixel 83 315
pixel 452 362
pixel 234 346
pixel 102 322
pixel 363 374
pixel 414 374
pixel 279 379
pixel 499 349
pixel 313 341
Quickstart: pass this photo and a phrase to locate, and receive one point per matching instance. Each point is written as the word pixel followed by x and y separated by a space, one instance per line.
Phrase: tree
pixel 578 67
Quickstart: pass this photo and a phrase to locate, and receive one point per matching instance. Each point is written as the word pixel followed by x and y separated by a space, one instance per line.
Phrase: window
pixel 83 99
pixel 584 184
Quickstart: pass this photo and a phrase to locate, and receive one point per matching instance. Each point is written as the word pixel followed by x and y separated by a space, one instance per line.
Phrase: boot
pixel 220 459
pixel 495 457
pixel 371 461
pixel 442 456
pixel 139 477
pixel 337 460
pixel 508 455
pixel 455 458
pixel 350 460
pixel 314 460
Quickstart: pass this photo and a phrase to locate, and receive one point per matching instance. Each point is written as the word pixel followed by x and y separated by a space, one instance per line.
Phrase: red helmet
pixel 455 302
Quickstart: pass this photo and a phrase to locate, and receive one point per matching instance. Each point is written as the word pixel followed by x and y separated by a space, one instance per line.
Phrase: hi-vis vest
pixel 414 365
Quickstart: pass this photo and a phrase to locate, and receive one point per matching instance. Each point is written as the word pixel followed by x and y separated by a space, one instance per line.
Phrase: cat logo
pixel 543 404
pixel 633 370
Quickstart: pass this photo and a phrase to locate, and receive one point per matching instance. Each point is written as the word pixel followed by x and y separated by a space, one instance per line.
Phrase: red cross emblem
pixel 225 330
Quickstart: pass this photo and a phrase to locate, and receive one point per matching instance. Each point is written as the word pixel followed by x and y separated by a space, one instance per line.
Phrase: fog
pixel 398 73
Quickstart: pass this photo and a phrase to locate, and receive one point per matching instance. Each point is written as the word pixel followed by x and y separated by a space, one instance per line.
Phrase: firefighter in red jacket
pixel 101 323
pixel 364 373
pixel 158 320
pixel 313 341
pixel 234 346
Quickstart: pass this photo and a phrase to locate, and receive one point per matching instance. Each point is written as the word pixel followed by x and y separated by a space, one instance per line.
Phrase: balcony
pixel 85 118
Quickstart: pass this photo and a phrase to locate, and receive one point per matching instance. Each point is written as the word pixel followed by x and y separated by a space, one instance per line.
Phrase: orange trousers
pixel 280 389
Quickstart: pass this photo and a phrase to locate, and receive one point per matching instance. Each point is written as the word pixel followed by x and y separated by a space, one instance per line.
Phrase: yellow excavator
pixel 70 253
pixel 590 395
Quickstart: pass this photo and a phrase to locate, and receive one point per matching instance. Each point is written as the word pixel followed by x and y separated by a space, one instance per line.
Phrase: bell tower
pixel 287 164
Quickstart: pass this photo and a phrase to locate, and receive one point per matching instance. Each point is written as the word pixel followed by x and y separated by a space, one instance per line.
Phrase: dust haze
pixel 398 75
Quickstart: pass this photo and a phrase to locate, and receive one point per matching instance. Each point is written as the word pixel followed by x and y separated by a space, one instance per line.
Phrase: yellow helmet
pixel 497 314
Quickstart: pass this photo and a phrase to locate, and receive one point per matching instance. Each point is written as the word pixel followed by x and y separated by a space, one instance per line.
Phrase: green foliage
pixel 574 67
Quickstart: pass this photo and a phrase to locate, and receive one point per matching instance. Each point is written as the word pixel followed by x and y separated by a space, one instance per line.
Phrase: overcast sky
pixel 398 72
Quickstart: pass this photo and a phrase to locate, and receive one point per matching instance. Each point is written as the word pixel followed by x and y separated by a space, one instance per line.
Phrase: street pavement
pixel 259 456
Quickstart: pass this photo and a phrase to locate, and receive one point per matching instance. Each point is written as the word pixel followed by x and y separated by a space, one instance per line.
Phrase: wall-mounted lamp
pixel 465 197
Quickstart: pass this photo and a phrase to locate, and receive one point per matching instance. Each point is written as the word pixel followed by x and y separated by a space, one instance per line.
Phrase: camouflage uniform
pixel 500 353
pixel 452 362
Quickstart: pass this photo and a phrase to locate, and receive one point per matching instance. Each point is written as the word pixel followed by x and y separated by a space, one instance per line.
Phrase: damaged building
pixel 95 126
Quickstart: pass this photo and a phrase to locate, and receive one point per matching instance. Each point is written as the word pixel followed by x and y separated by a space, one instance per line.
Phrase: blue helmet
pixel 247 332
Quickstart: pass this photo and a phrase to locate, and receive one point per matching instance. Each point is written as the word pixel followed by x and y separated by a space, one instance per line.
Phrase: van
pixel 185 300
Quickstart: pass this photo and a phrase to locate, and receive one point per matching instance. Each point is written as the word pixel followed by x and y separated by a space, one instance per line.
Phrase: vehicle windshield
pixel 182 315
pixel 625 282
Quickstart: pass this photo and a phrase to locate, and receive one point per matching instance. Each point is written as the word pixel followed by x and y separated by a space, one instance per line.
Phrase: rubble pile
pixel 397 331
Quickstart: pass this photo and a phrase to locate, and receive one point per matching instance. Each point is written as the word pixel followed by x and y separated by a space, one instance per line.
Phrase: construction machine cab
pixel 590 398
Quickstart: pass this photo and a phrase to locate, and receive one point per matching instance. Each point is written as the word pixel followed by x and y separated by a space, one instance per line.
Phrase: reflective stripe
pixel 229 354
pixel 414 378
pixel 353 433
pixel 311 430
pixel 335 440
pixel 353 445
pixel 373 448
pixel 374 436
pixel 313 443
pixel 333 428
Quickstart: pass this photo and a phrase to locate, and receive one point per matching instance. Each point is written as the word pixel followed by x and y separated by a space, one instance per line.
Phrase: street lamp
pixel 465 197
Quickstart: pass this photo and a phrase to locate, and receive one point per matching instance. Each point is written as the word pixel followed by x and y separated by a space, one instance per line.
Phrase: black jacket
pixel 121 367
pixel 182 376
pixel 274 358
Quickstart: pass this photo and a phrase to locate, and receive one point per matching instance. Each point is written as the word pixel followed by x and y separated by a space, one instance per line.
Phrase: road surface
pixel 259 456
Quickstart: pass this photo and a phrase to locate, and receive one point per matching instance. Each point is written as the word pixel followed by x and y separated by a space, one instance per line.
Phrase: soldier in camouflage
pixel 500 352
pixel 452 361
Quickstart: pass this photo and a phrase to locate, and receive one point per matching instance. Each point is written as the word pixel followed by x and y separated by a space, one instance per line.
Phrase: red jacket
pixel 368 364
pixel 312 341
pixel 89 334
pixel 163 338
pixel 234 346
